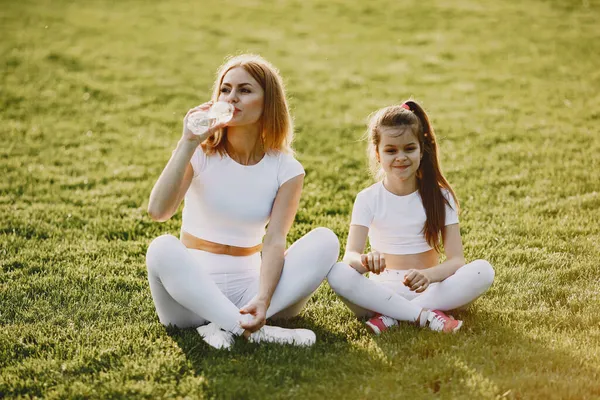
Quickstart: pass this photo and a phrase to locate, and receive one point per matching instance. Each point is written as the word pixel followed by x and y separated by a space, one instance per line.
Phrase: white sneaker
pixel 276 334
pixel 215 336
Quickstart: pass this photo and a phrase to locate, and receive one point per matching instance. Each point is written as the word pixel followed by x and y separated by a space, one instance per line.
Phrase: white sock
pixel 423 318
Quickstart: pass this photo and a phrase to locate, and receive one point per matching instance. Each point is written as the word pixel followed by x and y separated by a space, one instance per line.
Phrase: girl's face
pixel 245 93
pixel 399 153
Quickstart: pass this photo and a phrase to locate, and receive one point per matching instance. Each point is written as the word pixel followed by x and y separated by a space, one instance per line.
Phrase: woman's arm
pixel 454 255
pixel 283 213
pixel 173 183
pixel 175 179
pixel 357 240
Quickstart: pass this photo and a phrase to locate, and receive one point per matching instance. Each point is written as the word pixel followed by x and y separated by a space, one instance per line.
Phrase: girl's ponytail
pixel 430 179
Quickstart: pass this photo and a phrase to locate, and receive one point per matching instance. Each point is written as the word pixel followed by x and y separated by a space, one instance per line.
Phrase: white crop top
pixel 396 222
pixel 230 203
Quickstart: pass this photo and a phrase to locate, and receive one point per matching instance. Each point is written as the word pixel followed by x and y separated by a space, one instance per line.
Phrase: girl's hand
pixel 373 261
pixel 258 309
pixel 189 135
pixel 416 280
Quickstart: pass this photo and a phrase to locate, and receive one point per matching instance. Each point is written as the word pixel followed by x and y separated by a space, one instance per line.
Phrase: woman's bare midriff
pixel 424 260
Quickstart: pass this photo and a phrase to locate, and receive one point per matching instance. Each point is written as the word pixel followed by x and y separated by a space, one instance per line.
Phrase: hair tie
pixel 405 106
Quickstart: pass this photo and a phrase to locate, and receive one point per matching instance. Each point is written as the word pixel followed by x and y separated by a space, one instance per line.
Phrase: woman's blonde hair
pixel 276 121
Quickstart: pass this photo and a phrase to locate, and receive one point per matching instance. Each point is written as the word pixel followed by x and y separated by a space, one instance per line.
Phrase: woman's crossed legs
pixel 188 293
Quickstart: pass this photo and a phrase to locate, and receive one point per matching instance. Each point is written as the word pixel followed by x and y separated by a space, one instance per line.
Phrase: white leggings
pixel 192 287
pixel 386 294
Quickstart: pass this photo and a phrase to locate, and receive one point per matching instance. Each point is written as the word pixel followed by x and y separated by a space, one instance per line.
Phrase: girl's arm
pixel 357 240
pixel 454 255
pixel 284 210
pixel 419 279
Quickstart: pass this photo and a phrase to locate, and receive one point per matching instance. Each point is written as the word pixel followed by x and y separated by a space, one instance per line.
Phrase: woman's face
pixel 241 90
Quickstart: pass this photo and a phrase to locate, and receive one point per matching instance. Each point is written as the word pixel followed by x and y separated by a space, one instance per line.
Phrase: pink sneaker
pixel 440 322
pixel 380 323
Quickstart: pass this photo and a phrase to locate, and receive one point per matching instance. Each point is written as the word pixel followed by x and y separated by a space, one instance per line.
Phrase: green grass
pixel 92 95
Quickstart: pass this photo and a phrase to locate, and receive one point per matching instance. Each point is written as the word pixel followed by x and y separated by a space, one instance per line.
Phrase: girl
pixel 236 178
pixel 407 216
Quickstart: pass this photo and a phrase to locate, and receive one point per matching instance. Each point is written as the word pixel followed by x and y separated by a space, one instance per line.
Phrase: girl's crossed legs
pixel 385 294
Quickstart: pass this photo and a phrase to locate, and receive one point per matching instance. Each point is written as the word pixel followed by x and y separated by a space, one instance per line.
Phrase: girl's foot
pixel 440 322
pixel 380 323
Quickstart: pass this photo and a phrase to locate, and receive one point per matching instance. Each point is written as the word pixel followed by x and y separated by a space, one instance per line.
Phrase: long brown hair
pixel 276 121
pixel 430 179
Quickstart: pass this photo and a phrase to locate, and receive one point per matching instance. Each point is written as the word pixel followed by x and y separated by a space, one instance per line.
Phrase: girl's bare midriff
pixel 424 260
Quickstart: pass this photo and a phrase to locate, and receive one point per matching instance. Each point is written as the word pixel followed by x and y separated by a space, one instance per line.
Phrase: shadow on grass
pixel 486 359
pixel 251 370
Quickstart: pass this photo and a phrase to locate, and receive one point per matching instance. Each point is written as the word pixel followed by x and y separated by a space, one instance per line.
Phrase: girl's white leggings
pixel 192 287
pixel 386 294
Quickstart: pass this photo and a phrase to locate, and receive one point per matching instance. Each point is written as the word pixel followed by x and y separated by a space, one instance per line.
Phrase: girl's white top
pixel 396 223
pixel 230 203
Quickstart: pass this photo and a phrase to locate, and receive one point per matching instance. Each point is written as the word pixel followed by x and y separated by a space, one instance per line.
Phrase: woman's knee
pixel 159 248
pixel 327 241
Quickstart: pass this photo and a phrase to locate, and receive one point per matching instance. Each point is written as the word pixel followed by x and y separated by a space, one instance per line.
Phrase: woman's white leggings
pixel 387 295
pixel 192 287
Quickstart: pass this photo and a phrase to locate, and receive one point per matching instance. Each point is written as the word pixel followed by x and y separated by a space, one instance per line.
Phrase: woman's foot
pixel 215 336
pixel 276 334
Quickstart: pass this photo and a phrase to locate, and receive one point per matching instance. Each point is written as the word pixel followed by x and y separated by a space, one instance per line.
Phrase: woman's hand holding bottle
pixel 204 120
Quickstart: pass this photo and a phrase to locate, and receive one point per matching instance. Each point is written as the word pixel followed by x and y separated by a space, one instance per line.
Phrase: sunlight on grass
pixel 91 102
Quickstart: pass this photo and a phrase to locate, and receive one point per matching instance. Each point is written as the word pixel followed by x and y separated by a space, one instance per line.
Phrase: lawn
pixel 92 95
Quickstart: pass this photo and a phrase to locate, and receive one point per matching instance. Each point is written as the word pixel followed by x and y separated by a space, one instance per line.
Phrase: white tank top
pixel 396 222
pixel 230 203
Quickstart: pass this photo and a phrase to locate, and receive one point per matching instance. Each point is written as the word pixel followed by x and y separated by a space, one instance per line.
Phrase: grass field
pixel 91 98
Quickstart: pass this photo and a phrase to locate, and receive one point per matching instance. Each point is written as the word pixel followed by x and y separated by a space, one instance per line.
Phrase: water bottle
pixel 201 121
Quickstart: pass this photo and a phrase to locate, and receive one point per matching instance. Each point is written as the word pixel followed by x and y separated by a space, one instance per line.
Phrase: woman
pixel 236 178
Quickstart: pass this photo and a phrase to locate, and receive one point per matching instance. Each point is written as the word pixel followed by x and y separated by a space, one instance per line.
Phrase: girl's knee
pixel 340 278
pixel 484 272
